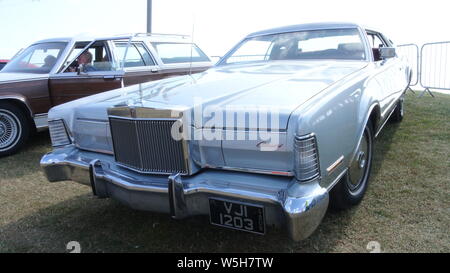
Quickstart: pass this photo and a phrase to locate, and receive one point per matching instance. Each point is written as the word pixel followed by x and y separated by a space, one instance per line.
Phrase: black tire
pixel 397 115
pixel 14 129
pixel 348 192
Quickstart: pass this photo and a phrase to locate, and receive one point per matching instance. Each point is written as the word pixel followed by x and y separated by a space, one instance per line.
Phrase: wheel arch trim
pixel 373 109
pixel 21 100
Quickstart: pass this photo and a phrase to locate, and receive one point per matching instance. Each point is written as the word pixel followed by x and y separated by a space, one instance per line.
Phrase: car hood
pixel 11 77
pixel 284 85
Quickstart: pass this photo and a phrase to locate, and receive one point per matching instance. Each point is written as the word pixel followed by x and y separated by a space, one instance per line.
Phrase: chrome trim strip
pixel 94 150
pixel 131 118
pixel 94 120
pixel 335 181
pixel 257 171
pixel 387 119
pixel 333 166
pixel 131 112
pixel 384 123
pixel 26 80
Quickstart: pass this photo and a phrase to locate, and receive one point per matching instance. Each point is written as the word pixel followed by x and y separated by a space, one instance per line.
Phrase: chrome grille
pixel 147 146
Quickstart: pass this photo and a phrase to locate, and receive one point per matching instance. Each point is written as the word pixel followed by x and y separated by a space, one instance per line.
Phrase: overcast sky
pixel 217 24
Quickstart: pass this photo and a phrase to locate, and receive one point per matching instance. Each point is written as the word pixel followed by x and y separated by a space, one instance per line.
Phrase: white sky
pixel 218 24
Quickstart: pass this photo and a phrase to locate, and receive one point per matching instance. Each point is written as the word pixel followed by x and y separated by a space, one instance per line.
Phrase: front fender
pixel 338 119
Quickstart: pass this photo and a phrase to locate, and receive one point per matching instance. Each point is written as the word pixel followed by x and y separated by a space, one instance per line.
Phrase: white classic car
pixel 283 123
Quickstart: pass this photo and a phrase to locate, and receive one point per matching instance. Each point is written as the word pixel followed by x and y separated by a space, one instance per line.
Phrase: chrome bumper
pixel 300 207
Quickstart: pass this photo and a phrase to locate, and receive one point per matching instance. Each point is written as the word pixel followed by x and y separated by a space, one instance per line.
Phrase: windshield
pixel 38 58
pixel 171 53
pixel 341 44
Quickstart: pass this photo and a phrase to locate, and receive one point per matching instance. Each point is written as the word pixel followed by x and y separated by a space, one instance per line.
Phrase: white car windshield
pixel 38 58
pixel 340 44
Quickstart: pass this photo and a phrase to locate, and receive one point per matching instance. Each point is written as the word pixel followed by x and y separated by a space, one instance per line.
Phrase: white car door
pixel 387 75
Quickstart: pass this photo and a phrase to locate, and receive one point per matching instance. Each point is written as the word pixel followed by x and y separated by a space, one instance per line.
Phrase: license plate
pixel 236 215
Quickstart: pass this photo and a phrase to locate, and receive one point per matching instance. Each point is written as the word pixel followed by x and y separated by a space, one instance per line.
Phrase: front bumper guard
pixel 298 206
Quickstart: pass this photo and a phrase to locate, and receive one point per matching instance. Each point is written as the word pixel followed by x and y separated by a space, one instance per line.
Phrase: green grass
pixel 406 208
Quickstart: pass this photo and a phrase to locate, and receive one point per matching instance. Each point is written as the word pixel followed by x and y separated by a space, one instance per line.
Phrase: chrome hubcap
pixel 361 160
pixel 9 129
pixel 358 168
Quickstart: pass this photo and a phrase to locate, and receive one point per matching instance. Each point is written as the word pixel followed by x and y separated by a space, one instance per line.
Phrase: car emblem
pixel 133 112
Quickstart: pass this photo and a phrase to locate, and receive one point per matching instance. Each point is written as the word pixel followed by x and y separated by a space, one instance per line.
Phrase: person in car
pixel 49 61
pixel 86 59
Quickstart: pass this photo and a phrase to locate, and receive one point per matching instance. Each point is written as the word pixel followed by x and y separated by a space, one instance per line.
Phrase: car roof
pixel 302 27
pixel 151 37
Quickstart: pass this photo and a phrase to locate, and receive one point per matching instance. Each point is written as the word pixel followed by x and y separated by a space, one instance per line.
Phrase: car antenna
pixel 192 45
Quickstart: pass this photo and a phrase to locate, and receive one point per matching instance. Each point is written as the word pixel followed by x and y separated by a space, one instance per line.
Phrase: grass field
pixel 406 208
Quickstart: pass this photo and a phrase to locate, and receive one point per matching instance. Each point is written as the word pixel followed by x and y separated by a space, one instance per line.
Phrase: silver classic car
pixel 282 126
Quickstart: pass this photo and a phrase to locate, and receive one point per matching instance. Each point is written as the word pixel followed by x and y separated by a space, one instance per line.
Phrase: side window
pixel 375 42
pixel 137 54
pixel 145 55
pixel 172 53
pixel 96 58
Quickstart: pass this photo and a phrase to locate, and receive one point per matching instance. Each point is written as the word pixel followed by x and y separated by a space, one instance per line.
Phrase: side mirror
pixel 387 52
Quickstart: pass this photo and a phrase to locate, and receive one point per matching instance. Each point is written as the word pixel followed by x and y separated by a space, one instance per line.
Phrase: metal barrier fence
pixel 435 66
pixel 410 53
pixel 430 65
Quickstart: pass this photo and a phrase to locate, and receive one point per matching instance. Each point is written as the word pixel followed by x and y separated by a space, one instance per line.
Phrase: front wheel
pixel 14 129
pixel 351 188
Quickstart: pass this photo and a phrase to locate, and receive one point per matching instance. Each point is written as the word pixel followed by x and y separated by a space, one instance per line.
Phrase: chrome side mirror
pixel 387 52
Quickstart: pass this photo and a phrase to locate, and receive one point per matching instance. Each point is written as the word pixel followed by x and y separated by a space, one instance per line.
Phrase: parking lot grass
pixel 406 208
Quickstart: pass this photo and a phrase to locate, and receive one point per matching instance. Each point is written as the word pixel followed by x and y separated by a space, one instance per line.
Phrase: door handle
pixel 154 70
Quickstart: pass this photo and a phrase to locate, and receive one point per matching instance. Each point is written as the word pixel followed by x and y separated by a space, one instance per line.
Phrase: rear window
pixel 171 53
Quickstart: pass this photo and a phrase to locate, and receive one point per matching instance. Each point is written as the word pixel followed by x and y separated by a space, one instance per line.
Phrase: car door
pixel 138 62
pixel 103 73
pixel 387 70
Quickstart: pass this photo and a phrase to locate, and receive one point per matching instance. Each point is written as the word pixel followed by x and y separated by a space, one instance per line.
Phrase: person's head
pixel 85 58
pixel 49 61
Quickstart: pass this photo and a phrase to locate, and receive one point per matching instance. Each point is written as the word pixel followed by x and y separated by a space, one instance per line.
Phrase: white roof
pixel 151 37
